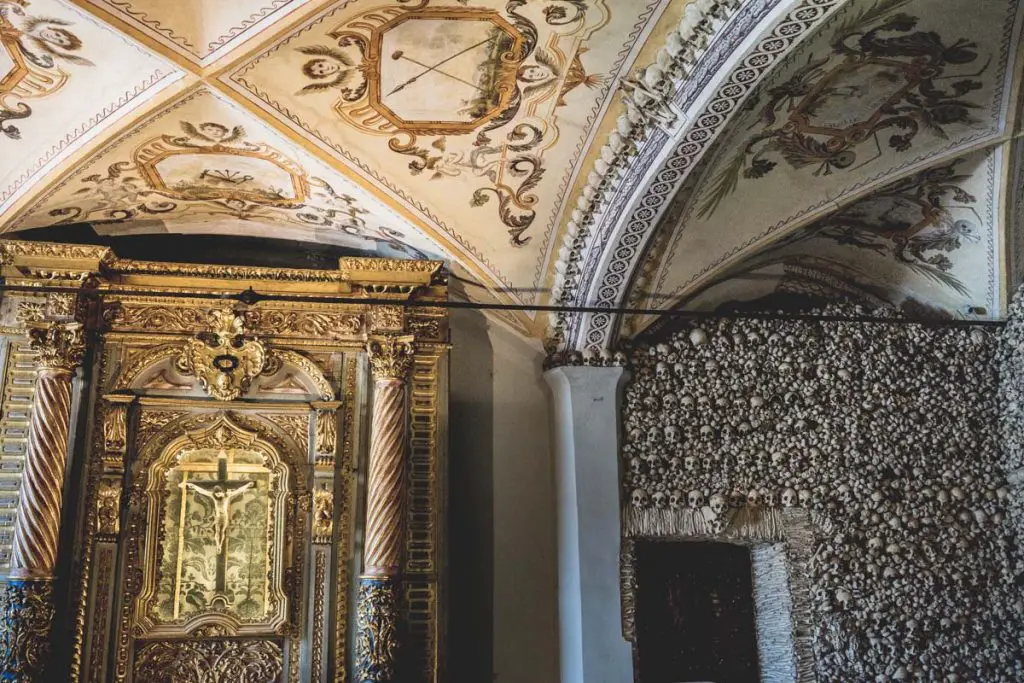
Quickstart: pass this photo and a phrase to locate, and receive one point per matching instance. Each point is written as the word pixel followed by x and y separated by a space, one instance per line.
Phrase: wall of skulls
pixel 886 436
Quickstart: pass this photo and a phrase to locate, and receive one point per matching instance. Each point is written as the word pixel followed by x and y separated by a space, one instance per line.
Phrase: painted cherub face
pixel 534 73
pixel 321 67
pixel 59 37
pixel 214 131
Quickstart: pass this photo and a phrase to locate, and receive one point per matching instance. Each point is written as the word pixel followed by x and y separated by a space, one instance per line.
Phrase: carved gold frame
pixel 157 464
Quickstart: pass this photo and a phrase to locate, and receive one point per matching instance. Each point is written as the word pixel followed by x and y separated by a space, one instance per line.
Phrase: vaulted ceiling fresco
pixel 555 152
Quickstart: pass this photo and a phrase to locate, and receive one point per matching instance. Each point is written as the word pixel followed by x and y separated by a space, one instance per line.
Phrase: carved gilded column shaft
pixel 28 603
pixel 377 613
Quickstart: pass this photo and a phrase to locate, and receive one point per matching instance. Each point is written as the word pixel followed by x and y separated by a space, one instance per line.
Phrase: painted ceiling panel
pixel 203 164
pixel 930 240
pixel 884 90
pixel 474 116
pixel 64 77
pixel 199 30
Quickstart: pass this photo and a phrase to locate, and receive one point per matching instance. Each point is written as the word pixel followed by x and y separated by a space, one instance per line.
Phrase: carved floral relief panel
pixel 474 115
pixel 203 165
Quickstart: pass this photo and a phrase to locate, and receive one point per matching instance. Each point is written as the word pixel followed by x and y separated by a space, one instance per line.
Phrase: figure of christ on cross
pixel 221 491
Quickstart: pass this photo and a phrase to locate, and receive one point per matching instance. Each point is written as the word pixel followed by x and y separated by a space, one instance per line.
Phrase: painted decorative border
pixel 142 19
pixel 632 149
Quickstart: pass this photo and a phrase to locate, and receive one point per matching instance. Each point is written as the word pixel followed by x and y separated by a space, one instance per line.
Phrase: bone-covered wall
pixel 884 437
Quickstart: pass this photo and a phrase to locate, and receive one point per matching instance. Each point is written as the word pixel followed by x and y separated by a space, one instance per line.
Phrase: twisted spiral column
pixel 27 604
pixel 38 523
pixel 377 637
pixel 386 479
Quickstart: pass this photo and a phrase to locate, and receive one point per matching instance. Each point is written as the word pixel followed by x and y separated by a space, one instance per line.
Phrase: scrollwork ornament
pixel 26 617
pixel 390 356
pixel 209 661
pixel 61 346
pixel 224 360
pixel 376 630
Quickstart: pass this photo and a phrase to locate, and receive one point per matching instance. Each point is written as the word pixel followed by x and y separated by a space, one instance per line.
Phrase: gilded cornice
pixel 72 265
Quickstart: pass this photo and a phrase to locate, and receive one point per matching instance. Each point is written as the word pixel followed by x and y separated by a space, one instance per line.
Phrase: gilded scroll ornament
pixel 376 630
pixel 26 614
pixel 210 661
pixel 326 429
pixel 224 360
pixel 60 345
pixel 115 423
pixel 390 356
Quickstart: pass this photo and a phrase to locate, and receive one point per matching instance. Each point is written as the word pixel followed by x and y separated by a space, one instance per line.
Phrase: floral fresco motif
pixel 882 76
pixel 503 74
pixel 216 169
pixel 917 221
pixel 33 51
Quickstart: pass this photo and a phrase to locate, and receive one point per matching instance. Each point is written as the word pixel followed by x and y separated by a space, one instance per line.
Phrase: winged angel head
pixel 328 68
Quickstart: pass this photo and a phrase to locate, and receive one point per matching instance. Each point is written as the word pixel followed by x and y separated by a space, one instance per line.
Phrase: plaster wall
pixel 503 546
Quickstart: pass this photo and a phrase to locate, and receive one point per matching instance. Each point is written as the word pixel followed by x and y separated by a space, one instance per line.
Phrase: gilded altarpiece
pixel 222 485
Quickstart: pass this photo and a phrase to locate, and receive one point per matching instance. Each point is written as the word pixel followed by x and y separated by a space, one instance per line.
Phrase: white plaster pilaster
pixel 585 407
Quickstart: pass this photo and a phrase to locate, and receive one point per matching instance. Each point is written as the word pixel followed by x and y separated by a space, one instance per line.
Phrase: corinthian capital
pixel 60 345
pixel 390 355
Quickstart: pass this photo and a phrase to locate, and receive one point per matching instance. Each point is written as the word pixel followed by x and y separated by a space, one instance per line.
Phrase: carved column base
pixel 376 630
pixel 26 619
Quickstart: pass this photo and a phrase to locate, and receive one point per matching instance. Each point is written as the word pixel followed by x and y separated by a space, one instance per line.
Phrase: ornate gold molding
pixel 390 356
pixel 224 360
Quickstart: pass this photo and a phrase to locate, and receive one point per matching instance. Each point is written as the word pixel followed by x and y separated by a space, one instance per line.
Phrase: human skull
pixel 754 498
pixel 670 401
pixel 804 496
pixel 768 498
pixel 789 498
pixel 661 370
pixel 653 434
pixel 694 499
pixel 678 370
pixel 718 504
pixel 672 434
pixel 690 462
pixel 675 500
pixel 737 499
pixel 659 499
pixel 639 498
pixel 743 460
